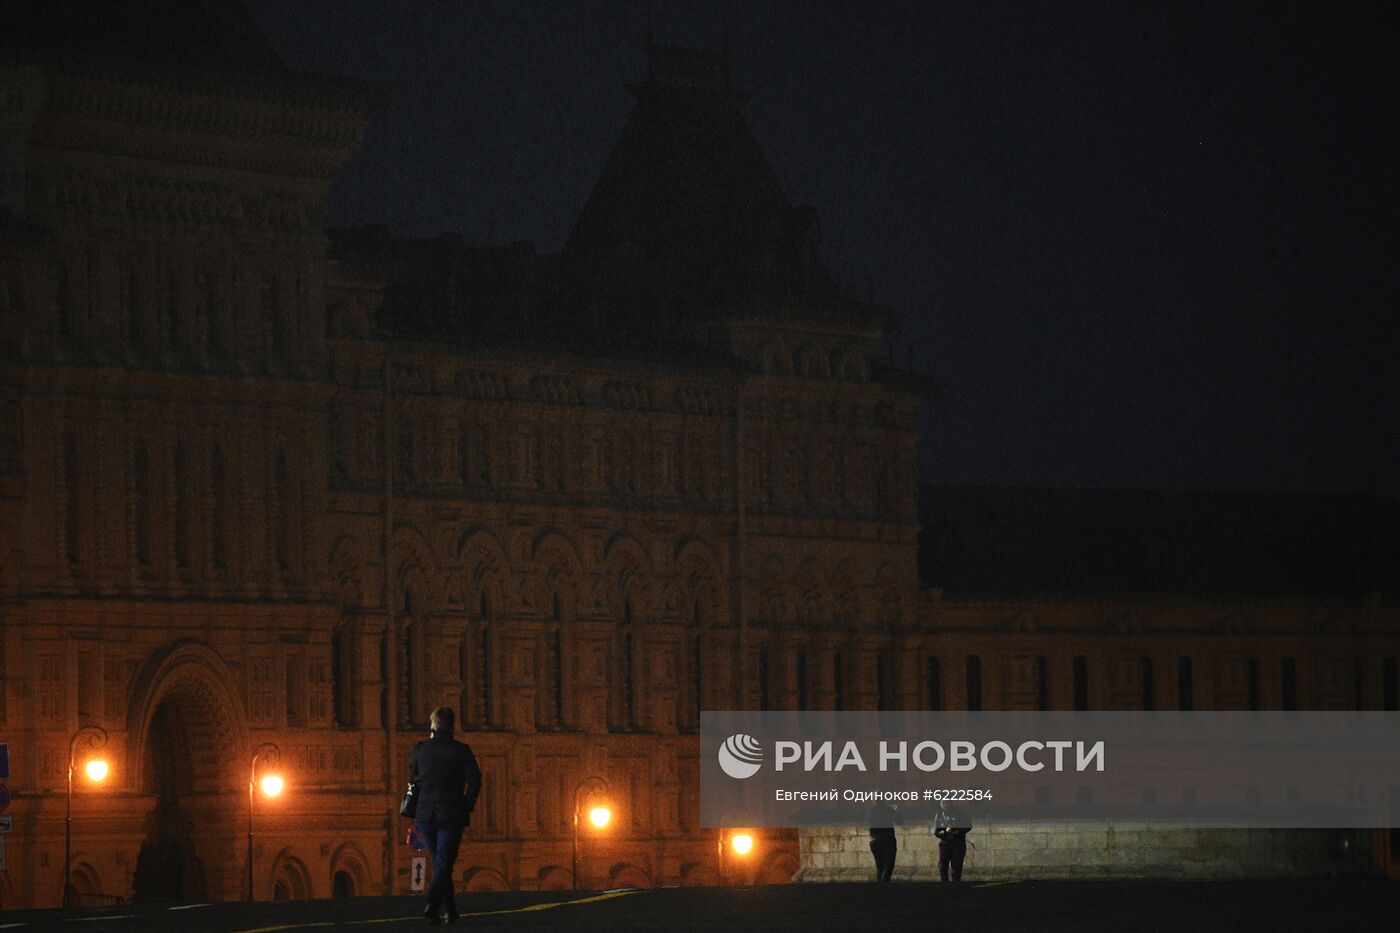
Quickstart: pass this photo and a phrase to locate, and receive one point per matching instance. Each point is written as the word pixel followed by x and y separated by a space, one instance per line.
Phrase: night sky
pixel 1142 245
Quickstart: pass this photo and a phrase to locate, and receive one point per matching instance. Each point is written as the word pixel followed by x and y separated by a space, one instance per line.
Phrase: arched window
pixel 838 681
pixel 73 514
pixel 218 515
pixel 179 480
pixel 209 313
pixel 65 310
pixel 131 307
pixel 281 500
pixel 692 694
pixel 488 709
pixel 624 714
pixel 765 694
pixel 171 309
pixel 554 642
pixel 799 671
pixel 268 319
pixel 141 494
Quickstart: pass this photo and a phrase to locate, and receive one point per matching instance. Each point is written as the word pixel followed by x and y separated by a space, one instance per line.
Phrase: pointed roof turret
pixel 688 225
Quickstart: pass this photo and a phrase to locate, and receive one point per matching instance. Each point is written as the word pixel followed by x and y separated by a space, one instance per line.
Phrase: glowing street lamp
pixel 271 786
pixel 739 842
pixel 599 815
pixel 96 770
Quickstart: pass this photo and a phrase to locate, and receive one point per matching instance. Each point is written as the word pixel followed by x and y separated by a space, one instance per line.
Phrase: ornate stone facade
pixel 260 486
pixel 233 512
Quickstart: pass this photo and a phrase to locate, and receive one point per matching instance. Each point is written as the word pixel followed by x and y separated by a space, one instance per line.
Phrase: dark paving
pixel 1082 906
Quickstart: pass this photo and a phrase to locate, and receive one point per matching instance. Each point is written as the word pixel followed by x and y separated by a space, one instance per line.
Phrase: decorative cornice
pixel 235 125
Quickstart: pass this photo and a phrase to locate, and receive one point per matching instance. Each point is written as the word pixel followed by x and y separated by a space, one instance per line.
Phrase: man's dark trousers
pixel 443 838
pixel 883 848
pixel 952 849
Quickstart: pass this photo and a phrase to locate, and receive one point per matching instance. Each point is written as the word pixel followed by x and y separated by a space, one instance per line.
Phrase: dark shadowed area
pixel 1142 245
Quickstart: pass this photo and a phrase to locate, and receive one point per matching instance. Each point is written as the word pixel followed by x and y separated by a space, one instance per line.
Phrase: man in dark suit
pixel 448 782
pixel 951 829
pixel 882 817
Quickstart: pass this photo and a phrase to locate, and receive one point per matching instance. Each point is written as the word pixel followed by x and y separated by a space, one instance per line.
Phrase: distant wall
pixel 1083 850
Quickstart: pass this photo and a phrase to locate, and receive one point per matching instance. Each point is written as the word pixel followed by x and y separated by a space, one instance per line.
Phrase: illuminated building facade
pixel 262 484
pixel 259 485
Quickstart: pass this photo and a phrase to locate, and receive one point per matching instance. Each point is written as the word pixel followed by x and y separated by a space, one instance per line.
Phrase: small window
pixel 974 683
pixel 799 663
pixel 1288 682
pixel 1081 683
pixel 73 514
pixel 763 694
pixel 935 685
pixel 838 680
pixel 1185 688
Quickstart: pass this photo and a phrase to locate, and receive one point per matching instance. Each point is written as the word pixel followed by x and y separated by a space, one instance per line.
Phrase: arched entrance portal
pixel 190 737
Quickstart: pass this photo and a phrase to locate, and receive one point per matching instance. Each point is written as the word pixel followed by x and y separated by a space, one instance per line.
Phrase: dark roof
pixel 217 33
pixel 687 223
pixel 440 289
pixel 1006 541
pixel 686 226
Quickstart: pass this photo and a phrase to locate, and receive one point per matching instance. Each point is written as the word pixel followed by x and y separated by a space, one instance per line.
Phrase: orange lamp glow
pixel 742 843
pixel 271 785
pixel 600 816
pixel 97 770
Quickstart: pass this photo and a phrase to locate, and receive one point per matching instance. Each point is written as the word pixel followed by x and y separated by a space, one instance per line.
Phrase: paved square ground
pixel 1081 906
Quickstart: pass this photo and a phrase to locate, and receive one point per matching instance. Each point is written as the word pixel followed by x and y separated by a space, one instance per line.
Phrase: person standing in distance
pixel 449 782
pixel 951 831
pixel 882 817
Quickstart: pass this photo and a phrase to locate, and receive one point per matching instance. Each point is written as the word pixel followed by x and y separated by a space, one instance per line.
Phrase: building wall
pixel 1137 654
pixel 1027 851
pixel 234 515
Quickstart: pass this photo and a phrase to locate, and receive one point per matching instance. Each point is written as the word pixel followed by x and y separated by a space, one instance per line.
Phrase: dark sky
pixel 1143 245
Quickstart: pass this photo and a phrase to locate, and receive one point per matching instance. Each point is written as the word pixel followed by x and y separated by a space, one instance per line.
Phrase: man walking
pixel 449 781
pixel 952 832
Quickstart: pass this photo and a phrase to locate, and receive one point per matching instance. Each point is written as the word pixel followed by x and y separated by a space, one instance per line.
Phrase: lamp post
pixel 272 785
pixel 96 770
pixel 599 816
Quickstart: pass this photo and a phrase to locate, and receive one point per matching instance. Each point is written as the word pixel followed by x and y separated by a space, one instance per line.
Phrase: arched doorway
pixel 168 868
pixel 342 885
pixel 349 878
pixel 189 735
pixel 85 883
pixel 290 879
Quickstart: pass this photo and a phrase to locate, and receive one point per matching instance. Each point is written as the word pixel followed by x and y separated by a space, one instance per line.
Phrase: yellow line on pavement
pixel 550 905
